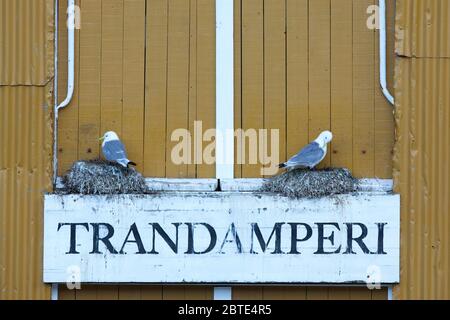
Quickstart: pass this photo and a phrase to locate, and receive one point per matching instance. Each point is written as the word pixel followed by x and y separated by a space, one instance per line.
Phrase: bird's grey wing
pixel 114 150
pixel 310 155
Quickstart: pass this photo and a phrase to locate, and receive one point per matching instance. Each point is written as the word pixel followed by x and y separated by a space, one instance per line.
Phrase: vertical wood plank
pixel 86 293
pixel 199 292
pixel 206 74
pixel 193 83
pixel 317 293
pixel 90 80
pixel 360 293
pixel 237 81
pixel 275 76
pixel 112 66
pixel 174 293
pixel 247 293
pixel 68 117
pixel 129 292
pixel 156 89
pixel 66 294
pixel 284 293
pixel 107 292
pixel 133 80
pixel 339 293
pixel 151 292
pixel 297 75
pixel 341 150
pixel 381 294
pixel 177 79
pixel 363 93
pixel 319 70
pixel 252 75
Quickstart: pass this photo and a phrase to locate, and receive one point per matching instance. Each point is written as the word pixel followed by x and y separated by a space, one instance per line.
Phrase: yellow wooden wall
pixel 145 68
pixel 306 66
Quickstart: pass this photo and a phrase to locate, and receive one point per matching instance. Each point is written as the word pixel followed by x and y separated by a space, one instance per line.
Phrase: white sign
pixel 220 237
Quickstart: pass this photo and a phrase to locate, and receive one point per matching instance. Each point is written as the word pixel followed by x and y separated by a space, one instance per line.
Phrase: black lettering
pixel 380 249
pixel 294 236
pixel 358 240
pixel 105 239
pixel 322 238
pixel 137 239
pixel 73 235
pixel 235 239
pixel 172 244
pixel 212 234
pixel 263 244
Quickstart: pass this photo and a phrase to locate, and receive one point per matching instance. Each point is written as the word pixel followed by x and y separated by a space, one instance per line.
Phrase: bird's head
pixel 110 135
pixel 325 138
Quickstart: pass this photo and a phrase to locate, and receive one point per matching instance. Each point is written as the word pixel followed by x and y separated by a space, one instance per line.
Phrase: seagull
pixel 311 155
pixel 114 150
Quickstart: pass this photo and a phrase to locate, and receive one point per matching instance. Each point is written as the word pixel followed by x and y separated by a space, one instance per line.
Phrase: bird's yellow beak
pixel 102 138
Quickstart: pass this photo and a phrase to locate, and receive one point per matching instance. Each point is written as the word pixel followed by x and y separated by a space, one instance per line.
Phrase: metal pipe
pixel 55 293
pixel 70 75
pixel 390 294
pixel 383 67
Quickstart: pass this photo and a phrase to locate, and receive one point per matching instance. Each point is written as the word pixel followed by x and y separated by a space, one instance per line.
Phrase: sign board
pixel 221 237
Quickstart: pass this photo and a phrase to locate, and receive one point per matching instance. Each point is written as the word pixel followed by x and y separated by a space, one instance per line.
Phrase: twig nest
pixel 103 177
pixel 302 183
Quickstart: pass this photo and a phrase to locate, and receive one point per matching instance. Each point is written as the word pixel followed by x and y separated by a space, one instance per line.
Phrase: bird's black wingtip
pixel 282 165
pixel 131 163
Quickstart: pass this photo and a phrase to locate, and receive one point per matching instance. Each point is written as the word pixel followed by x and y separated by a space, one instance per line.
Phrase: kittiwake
pixel 311 155
pixel 114 150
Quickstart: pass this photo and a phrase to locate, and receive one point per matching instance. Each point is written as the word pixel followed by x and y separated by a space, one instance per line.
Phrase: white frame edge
pixel 224 102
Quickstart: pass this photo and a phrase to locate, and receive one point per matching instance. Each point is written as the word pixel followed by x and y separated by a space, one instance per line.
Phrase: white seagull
pixel 311 155
pixel 114 150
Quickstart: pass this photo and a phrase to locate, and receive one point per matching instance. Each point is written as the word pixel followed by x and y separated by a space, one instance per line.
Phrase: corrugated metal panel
pixel 26 70
pixel 24 176
pixel 423 28
pixel 422 175
pixel 422 151
pixel 26 40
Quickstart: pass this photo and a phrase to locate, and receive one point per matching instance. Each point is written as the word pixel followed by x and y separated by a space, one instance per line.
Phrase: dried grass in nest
pixel 301 183
pixel 103 177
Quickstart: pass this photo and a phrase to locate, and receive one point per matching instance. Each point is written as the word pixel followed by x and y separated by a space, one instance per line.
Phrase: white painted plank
pixel 222 264
pixel 224 89
pixel 375 185
pixel 162 184
pixel 243 185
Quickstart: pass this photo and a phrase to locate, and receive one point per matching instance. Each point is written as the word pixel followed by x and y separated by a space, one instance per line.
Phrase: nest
pixel 103 177
pixel 301 183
